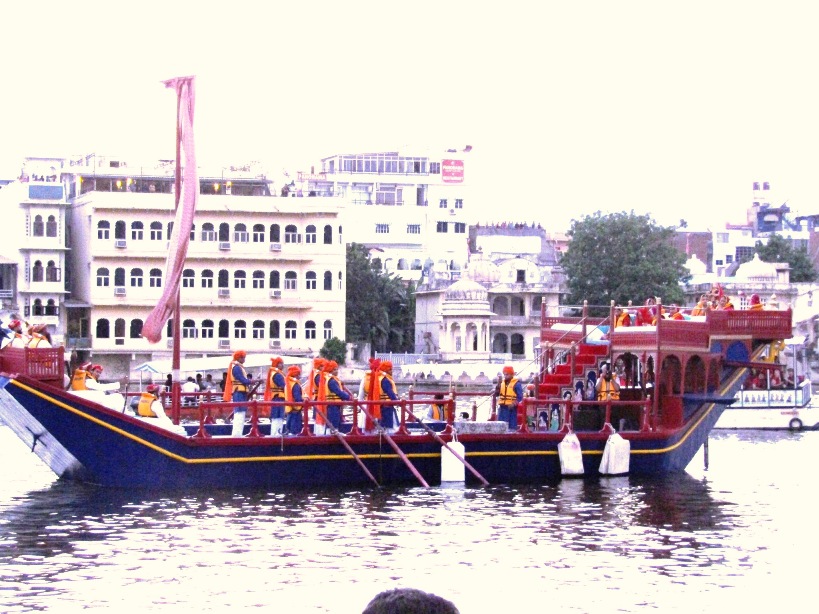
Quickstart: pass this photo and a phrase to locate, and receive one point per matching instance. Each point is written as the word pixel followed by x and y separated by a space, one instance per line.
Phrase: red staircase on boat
pixel 588 357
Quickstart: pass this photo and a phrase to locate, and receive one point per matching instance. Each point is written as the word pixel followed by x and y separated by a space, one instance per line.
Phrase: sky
pixel 662 108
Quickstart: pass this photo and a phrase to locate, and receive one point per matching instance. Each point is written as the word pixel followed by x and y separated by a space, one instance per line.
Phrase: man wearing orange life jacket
pixel 314 380
pixel 607 386
pixel 276 383
pixel 510 394
pixel 385 391
pixel 39 336
pixel 236 390
pixel 294 397
pixel 334 391
pixel 18 338
pixel 80 376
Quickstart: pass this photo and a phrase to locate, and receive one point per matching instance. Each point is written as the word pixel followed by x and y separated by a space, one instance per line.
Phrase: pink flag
pixel 186 187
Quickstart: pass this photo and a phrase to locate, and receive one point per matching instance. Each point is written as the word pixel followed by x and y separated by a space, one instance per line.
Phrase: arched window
pixel 37 272
pixel 328 330
pixel 258 280
pixel 224 279
pixel 189 329
pixel 37 226
pixel 328 280
pixel 275 281
pixel 37 307
pixel 274 329
pixel 290 329
pixel 224 329
pixel 207 279
pixel 258 329
pixel 102 277
pixel 136 278
pixel 224 232
pixel 208 233
pixel 207 329
pixel 51 226
pixel 328 235
pixel 310 234
pixel 275 233
pixel 239 279
pixel 52 272
pixel 156 278
pixel 136 231
pixel 156 231
pixel 136 328
pixel 309 329
pixel 103 329
pixel 119 331
pixel 51 308
pixel 310 280
pixel 188 278
pixel 103 230
pixel 290 280
pixel 258 233
pixel 240 329
pixel 119 276
pixel 291 234
pixel 119 229
pixel 240 234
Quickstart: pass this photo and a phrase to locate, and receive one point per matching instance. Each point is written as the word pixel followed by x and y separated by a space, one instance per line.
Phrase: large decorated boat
pixel 675 378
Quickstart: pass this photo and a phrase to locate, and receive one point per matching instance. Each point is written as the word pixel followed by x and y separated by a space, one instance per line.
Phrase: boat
pixel 769 401
pixel 677 379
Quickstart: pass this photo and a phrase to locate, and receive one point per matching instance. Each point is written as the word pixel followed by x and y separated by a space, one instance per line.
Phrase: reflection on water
pixel 695 541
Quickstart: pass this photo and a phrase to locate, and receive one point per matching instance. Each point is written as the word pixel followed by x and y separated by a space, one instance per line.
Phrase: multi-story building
pixel 263 273
pixel 33 254
pixel 411 210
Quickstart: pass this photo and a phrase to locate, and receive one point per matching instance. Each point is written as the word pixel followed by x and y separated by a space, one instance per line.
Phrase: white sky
pixel 662 107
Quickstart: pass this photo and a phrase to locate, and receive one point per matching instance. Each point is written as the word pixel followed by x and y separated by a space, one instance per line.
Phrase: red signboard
pixel 452 171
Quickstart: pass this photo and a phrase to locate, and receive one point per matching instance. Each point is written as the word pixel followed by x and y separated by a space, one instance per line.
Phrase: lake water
pixel 739 534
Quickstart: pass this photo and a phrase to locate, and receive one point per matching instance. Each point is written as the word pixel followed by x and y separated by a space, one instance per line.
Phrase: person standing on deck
pixel 386 392
pixel 334 392
pixel 510 394
pixel 236 390
pixel 293 395
pixel 276 382
pixel 607 387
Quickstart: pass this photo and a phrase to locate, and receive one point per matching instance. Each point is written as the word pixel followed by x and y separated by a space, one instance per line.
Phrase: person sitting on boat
pixel 645 314
pixel 294 396
pixel 80 377
pixel 790 379
pixel 276 382
pixel 334 391
pixel 776 378
pixel 93 381
pixel 755 303
pixel 437 410
pixel 386 392
pixel 149 406
pixel 725 303
pixel 236 390
pixel 509 393
pixel 18 338
pixel 607 387
pixel 701 307
pixel 39 336
pixel 676 314
pixel 621 317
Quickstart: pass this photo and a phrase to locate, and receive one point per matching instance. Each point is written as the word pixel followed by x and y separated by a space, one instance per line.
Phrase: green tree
pixel 380 308
pixel 621 257
pixel 334 349
pixel 779 249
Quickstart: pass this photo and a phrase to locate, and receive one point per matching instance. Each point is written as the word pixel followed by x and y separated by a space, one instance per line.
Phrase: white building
pixel 411 209
pixel 34 247
pixel 263 273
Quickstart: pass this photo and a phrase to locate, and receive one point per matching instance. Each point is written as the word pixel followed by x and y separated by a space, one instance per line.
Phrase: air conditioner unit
pixel 224 245
pixel 121 243
pixel 170 343
pixel 224 292
pixel 224 343
pixel 119 291
pixel 275 294
pixel 275 343
pixel 275 247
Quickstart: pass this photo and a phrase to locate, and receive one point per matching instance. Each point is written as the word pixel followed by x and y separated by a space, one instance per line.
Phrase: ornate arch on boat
pixel 671 375
pixel 695 375
pixel 737 352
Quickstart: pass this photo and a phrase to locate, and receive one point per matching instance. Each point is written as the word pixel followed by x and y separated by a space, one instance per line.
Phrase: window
pixel 291 234
pixel 136 231
pixel 382 229
pixel 441 226
pixel 207 279
pixel 51 308
pixel 275 234
pixel 275 282
pixel 274 329
pixel 156 231
pixel 240 234
pixel 224 279
pixel 136 278
pixel 37 271
pixel 310 280
pixel 135 331
pixel 240 329
pixel 37 307
pixel 224 329
pixel 328 280
pixel 718 262
pixel 52 272
pixel 224 232
pixel 188 278
pixel 413 229
pixel 239 280
pixel 729 259
pixel 189 329
pixel 442 204
pixel 310 330
pixel 290 280
pixel 207 329
pixel 258 233
pixel 310 234
pixel 744 254
pixel 258 329
pixel 51 226
pixel 156 278
pixel 119 277
pixel 434 168
pixel 290 330
pixel 722 237
pixel 102 277
pixel 459 203
pixel 103 329
pixel 103 230
pixel 328 330
pixel 460 228
pixel 328 235
pixel 38 227
pixel 258 280
pixel 119 230
pixel 520 276
pixel 208 233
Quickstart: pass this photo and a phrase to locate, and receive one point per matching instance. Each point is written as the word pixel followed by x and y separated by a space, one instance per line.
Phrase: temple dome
pixel 483 270
pixel 756 270
pixel 466 290
pixel 696 266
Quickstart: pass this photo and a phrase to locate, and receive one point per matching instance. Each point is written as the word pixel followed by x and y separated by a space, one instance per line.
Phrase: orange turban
pixel 508 370
pixel 293 370
pixel 239 354
pixel 276 360
pixel 386 365
pixel 318 362
pixel 330 365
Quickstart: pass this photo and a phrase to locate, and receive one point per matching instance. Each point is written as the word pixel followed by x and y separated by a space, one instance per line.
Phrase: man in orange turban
pixel 293 395
pixel 510 394
pixel 237 387
pixel 276 383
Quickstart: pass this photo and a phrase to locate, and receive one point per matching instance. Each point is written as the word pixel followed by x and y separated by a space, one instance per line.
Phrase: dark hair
pixel 409 601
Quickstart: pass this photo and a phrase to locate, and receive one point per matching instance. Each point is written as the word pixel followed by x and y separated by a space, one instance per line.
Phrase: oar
pixel 343 441
pixel 440 440
pixel 399 452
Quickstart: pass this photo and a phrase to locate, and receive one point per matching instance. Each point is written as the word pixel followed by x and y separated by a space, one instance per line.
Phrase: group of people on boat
pixel 20 334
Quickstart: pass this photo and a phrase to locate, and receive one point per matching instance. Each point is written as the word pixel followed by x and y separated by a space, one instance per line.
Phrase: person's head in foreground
pixel 409 601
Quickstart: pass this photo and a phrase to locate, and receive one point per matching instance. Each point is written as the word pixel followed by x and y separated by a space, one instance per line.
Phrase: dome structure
pixel 756 270
pixel 696 266
pixel 483 270
pixel 466 290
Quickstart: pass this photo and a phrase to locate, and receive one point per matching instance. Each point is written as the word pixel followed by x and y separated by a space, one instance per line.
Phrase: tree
pixel 380 308
pixel 334 349
pixel 620 257
pixel 779 249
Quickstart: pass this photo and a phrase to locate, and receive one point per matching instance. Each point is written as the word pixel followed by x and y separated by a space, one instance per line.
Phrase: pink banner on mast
pixel 186 189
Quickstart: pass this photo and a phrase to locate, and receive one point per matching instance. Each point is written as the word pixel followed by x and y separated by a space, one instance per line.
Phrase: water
pixel 738 534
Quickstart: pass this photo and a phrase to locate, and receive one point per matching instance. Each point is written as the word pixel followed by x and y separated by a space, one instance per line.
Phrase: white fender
pixel 571 456
pixel 453 470
pixel 616 456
